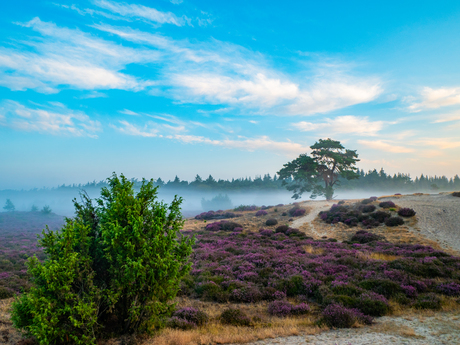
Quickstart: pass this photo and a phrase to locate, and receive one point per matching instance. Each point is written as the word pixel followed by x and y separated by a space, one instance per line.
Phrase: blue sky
pixel 233 89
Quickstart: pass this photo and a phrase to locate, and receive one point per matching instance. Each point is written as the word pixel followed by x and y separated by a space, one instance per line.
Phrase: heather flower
pixel 176 322
pixel 261 213
pixel 449 289
pixel 280 308
pixel 409 290
pixel 300 309
pixel 387 204
pixel 192 315
pixel 336 315
pixel 406 212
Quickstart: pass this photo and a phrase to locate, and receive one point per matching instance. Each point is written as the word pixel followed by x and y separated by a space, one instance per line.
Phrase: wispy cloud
pixel 385 146
pixel 141 12
pixel 448 117
pixel 436 98
pixel 54 119
pixel 440 143
pixel 69 58
pixel 146 131
pixel 223 73
pixel 152 129
pixel 343 124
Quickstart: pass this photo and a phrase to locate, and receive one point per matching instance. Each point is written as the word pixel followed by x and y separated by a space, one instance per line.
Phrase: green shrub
pixel 348 290
pixel 428 301
pixel 6 292
pixel 234 317
pixel 385 287
pixel 373 304
pixel 394 221
pixel 116 265
pixel 347 301
pixel 271 222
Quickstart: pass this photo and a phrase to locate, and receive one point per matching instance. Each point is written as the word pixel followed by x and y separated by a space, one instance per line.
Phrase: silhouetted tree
pixel 329 161
pixel 9 206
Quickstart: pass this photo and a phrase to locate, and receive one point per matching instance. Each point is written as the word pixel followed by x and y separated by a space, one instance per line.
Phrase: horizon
pixel 180 88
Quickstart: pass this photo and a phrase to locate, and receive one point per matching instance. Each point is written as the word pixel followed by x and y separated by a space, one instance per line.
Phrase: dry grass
pixel 313 250
pixel 384 257
pixel 376 256
pixel 264 326
pixel 449 305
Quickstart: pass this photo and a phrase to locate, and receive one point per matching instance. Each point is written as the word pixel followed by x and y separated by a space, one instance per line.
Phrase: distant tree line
pixel 373 179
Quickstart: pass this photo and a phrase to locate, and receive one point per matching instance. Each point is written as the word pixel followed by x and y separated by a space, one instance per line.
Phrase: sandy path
pixel 315 207
pixel 438 217
pixel 443 328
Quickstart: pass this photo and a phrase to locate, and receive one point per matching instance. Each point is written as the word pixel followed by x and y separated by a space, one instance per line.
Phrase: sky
pixel 229 88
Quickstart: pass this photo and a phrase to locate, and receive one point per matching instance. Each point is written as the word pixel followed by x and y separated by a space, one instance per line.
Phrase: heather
pixel 18 241
pixel 216 215
pixel 286 265
pixel 367 213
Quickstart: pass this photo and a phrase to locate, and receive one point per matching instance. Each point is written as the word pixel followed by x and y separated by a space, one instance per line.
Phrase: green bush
pixel 234 317
pixel 6 292
pixel 385 287
pixel 428 301
pixel 117 265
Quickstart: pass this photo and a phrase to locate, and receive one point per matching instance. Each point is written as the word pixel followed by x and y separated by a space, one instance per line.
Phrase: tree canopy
pixel 320 172
pixel 113 268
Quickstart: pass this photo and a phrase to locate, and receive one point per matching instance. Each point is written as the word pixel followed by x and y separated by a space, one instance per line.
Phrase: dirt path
pixel 439 329
pixel 438 217
pixel 306 222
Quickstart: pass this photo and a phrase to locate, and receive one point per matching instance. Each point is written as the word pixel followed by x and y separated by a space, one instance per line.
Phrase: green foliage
pixel 235 317
pixel 9 206
pixel 385 287
pixel 116 266
pixel 428 301
pixel 329 161
pixel 5 292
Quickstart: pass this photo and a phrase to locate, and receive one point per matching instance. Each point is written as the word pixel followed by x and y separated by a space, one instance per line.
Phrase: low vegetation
pixel 367 213
pixel 113 269
pixel 244 285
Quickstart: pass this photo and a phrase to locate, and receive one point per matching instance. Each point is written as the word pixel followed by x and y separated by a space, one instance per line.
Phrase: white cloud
pixel 152 129
pixel 66 57
pixel 448 117
pixel 335 93
pixel 247 144
pixel 93 94
pixel 223 73
pixel 128 112
pixel 385 146
pixel 343 124
pixel 260 91
pixel 440 143
pixel 436 98
pixel 55 119
pixel 140 11
pixel 146 131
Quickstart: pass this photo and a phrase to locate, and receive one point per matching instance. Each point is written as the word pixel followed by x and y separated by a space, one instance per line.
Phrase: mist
pixel 60 200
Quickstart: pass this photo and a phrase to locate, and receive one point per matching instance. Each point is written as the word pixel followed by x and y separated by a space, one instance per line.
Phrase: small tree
pixel 9 206
pixel 329 160
pixel 114 268
pixel 46 209
pixel 34 208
